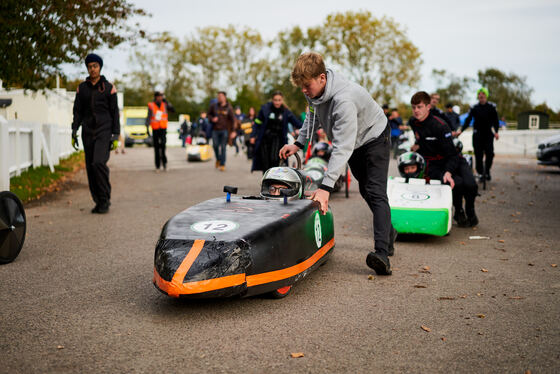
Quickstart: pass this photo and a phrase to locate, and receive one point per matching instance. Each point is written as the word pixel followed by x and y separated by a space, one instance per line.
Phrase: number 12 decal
pixel 214 227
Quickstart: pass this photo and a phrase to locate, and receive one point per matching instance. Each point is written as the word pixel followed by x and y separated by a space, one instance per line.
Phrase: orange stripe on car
pixel 183 269
pixel 276 275
pixel 175 289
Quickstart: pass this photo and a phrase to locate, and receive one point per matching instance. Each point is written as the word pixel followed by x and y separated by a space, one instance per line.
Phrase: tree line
pixel 38 37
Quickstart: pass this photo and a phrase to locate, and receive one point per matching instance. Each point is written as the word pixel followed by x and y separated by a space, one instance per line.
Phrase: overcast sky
pixel 461 37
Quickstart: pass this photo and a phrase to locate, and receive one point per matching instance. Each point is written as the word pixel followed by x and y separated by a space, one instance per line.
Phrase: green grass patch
pixel 35 182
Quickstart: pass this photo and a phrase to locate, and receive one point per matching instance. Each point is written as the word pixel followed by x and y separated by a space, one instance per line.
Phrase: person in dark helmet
pixel 97 112
pixel 434 142
pixel 485 130
pixel 322 150
pixel 459 147
pixel 279 178
pixel 411 165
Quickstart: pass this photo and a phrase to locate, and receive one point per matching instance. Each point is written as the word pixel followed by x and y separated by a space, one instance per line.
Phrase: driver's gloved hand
pixel 75 143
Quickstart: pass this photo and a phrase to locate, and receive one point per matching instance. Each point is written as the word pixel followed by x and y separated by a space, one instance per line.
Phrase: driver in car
pixel 282 178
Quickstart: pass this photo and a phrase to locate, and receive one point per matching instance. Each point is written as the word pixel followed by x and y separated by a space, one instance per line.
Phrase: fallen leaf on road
pixel 463 296
pixel 479 294
pixel 370 277
pixel 463 243
pixel 446 298
pixel 480 333
pixel 425 269
pixel 481 316
pixel 59 347
pixel 531 264
pixel 425 328
pixel 484 270
pixel 297 355
pixel 553 265
pixel 443 338
pixel 501 241
pixel 420 286
pixel 516 297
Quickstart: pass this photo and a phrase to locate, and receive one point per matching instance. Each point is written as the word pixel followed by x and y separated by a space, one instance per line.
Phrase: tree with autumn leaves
pixel 38 36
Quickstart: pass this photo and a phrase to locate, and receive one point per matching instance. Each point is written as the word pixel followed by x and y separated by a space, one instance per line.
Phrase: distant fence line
pixel 25 145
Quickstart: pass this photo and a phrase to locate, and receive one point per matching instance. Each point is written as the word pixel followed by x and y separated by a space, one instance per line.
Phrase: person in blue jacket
pixel 270 132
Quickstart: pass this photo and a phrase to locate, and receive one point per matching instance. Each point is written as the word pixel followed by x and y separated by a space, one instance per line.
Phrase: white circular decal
pixel 415 196
pixel 214 227
pixel 318 235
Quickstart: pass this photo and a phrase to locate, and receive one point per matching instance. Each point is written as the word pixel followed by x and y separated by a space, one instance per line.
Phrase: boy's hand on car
pixel 322 197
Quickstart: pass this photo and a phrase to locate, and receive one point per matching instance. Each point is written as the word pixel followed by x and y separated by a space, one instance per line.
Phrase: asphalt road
pixel 79 298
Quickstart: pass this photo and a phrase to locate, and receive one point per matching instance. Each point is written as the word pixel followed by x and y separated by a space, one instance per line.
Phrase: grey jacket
pixel 350 118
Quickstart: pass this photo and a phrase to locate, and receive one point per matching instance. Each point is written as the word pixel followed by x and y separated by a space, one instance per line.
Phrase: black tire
pixel 12 227
pixel 281 292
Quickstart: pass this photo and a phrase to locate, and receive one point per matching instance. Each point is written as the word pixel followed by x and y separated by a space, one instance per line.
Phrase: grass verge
pixel 34 183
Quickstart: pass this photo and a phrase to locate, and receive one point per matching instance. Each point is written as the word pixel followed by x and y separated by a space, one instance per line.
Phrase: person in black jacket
pixel 485 119
pixel 452 117
pixel 435 111
pixel 435 143
pixel 97 111
pixel 270 132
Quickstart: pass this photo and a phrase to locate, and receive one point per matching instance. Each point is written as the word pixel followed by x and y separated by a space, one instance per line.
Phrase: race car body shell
pixel 241 248
pixel 420 208
pixel 200 152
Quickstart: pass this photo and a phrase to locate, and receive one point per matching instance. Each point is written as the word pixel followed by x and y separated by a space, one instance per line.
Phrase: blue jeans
pixel 219 142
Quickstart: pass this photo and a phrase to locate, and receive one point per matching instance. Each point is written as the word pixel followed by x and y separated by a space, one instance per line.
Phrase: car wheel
pixel 281 292
pixel 12 227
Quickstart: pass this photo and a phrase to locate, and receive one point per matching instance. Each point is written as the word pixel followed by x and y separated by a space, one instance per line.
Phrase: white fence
pixel 513 142
pixel 27 144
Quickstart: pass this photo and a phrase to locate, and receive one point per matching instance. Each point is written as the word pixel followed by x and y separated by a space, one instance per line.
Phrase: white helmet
pixel 283 175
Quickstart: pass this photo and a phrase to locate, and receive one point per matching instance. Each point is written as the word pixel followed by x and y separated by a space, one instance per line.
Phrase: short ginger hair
pixel 308 66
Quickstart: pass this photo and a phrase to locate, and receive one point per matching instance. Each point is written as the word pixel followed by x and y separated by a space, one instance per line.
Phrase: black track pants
pixel 159 147
pixel 483 146
pixel 370 165
pixel 465 184
pixel 97 152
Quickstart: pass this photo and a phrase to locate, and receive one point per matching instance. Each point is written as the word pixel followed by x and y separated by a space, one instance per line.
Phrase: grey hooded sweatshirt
pixel 350 118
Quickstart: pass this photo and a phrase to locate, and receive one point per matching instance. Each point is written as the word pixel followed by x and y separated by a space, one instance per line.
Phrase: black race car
pixel 548 151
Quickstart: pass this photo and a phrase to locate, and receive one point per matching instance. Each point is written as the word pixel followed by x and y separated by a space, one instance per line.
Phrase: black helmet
pixel 326 148
pixel 286 176
pixel 412 158
pixel 458 145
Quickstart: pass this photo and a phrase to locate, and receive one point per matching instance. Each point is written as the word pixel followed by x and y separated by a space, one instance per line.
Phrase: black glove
pixel 75 143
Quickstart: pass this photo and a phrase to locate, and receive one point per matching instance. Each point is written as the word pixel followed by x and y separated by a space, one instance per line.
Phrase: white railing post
pixel 36 144
pixel 50 132
pixel 17 150
pixel 4 155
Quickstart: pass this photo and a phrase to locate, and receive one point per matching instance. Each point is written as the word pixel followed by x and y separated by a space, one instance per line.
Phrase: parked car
pixel 548 151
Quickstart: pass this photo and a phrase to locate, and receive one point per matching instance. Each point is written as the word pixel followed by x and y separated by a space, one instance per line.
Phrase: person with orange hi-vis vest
pixel 157 119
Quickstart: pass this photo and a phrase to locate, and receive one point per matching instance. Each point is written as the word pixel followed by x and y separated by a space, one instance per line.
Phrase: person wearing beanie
pixel 97 112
